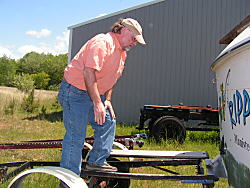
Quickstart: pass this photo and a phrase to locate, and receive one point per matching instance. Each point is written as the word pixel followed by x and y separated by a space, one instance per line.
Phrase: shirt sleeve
pixel 96 53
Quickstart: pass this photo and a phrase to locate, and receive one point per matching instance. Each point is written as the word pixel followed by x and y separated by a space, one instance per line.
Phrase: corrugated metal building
pixel 174 67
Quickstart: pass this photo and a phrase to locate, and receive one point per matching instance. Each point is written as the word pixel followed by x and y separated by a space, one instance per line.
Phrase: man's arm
pixel 91 85
pixel 107 103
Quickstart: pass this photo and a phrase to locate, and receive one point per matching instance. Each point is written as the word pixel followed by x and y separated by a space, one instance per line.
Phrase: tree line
pixel 33 70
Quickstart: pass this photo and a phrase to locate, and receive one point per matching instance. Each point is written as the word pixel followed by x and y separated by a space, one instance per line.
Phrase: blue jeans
pixel 77 113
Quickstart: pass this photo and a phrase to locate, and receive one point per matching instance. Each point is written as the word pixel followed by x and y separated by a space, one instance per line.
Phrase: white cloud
pixel 60 47
pixel 29 48
pixel 6 52
pixel 64 37
pixel 39 34
pixel 62 42
pixel 56 47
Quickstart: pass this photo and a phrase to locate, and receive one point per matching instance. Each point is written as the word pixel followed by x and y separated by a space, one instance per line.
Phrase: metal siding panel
pixel 181 54
pixel 194 51
pixel 149 50
pixel 208 85
pixel 169 54
pixel 163 83
pixel 203 58
pixel 189 45
pixel 167 63
pixel 176 62
pixel 199 53
pixel 156 60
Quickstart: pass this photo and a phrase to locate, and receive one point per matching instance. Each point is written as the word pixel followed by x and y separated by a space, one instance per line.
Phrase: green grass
pixel 45 124
pixel 17 128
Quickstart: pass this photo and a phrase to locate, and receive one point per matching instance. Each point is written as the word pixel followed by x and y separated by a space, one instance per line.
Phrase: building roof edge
pixel 115 13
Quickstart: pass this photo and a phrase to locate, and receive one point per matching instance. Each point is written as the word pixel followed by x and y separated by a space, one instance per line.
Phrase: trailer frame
pixel 136 159
pixel 172 121
pixel 174 158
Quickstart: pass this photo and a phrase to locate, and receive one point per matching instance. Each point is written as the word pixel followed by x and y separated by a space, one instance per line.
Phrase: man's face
pixel 127 39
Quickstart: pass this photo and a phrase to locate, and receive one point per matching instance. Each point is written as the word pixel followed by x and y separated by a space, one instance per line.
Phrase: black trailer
pixel 159 160
pixel 171 122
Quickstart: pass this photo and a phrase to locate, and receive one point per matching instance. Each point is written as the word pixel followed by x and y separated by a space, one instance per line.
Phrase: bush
pixel 10 108
pixel 55 105
pixel 54 87
pixel 28 104
pixel 41 80
pixel 23 82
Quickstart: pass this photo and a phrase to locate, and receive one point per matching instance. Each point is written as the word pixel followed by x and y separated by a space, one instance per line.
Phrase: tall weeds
pixel 9 108
pixel 14 101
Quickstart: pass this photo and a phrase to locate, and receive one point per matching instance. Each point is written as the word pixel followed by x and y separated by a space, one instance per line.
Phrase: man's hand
pixel 108 105
pixel 100 113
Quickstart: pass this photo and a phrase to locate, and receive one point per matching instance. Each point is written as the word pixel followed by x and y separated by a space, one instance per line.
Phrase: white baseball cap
pixel 134 27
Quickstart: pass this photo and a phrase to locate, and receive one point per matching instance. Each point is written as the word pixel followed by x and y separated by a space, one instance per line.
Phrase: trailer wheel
pixel 150 126
pixel 169 127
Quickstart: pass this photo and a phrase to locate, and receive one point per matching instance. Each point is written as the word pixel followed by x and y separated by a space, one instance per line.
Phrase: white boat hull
pixel 233 88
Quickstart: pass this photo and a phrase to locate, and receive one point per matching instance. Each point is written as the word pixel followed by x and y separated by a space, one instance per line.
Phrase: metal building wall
pixel 174 67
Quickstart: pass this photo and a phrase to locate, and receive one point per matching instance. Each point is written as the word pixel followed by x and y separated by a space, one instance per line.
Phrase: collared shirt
pixel 102 53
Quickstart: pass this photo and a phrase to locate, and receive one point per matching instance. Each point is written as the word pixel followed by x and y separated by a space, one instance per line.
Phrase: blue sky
pixel 41 25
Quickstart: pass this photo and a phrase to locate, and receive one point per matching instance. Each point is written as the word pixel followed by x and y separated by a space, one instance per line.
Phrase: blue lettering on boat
pixel 239 106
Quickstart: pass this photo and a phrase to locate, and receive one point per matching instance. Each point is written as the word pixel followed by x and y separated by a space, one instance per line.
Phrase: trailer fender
pixel 65 175
pixel 122 147
pixel 115 144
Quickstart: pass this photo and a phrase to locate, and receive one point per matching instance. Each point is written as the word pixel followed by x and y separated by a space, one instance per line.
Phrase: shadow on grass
pixel 52 117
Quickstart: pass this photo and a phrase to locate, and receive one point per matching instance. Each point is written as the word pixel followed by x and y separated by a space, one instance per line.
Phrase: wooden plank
pixel 161 154
pixel 236 31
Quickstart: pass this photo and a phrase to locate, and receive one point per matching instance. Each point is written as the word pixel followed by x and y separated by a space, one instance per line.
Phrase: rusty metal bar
pixel 41 144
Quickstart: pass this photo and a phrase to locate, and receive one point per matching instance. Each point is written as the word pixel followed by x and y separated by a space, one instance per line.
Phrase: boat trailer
pixel 171 122
pixel 133 159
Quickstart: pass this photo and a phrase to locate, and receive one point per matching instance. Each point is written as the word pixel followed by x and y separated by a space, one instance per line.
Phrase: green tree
pixel 28 104
pixel 41 80
pixel 35 63
pixel 23 82
pixel 54 67
pixel 7 70
pixel 31 63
